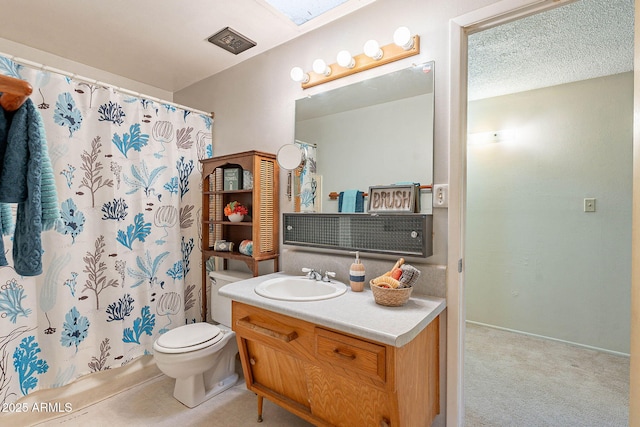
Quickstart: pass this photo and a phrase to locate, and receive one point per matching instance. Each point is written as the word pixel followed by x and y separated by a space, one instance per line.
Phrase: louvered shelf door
pixel 261 225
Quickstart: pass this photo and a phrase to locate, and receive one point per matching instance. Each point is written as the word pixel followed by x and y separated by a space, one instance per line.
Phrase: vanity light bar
pixel 390 53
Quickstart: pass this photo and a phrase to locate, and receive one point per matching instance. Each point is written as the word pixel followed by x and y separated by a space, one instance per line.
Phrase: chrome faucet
pixel 312 274
pixel 327 274
pixel 316 275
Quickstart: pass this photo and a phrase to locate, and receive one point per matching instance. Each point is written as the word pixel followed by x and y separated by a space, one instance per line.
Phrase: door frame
pixel 460 28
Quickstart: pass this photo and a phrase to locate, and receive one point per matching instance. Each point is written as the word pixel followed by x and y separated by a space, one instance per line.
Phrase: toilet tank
pixel 221 306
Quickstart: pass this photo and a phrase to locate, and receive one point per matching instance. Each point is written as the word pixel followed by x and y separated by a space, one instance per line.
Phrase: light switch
pixel 589 205
pixel 441 196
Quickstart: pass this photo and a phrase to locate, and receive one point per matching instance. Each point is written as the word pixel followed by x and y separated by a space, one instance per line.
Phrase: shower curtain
pixel 123 264
pixel 308 183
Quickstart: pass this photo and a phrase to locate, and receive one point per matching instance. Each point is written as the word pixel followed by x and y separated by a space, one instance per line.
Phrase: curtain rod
pixel 74 76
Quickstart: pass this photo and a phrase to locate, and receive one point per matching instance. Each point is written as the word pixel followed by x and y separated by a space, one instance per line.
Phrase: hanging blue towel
pixel 24 169
pixel 351 201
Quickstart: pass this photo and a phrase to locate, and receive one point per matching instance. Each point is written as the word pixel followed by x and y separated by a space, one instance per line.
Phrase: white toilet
pixel 201 356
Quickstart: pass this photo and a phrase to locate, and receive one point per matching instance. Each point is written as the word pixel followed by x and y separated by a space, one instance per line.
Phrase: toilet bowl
pixel 201 356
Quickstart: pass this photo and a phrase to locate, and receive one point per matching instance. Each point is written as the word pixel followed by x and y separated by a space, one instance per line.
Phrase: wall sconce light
pixel 372 50
pixel 404 46
pixel 345 60
pixel 321 67
pixel 298 75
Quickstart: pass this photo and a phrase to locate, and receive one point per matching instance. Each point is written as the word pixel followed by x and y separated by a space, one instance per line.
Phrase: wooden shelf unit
pixel 261 225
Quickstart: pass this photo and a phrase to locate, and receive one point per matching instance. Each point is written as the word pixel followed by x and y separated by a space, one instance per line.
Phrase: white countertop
pixel 354 313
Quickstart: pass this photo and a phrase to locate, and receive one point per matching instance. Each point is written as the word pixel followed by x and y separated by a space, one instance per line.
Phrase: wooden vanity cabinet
pixel 330 378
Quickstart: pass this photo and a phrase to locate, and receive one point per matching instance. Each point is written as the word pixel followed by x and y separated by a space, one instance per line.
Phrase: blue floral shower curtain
pixel 123 265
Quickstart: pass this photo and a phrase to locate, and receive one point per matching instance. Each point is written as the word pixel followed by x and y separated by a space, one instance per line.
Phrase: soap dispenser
pixel 356 274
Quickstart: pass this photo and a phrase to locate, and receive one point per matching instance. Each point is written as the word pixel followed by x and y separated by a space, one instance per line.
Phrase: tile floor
pixel 151 403
pixel 140 395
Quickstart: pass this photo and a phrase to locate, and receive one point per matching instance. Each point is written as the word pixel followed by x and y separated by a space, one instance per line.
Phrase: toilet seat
pixel 191 337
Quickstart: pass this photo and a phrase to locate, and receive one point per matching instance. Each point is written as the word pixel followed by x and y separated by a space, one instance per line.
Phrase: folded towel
pixel 351 201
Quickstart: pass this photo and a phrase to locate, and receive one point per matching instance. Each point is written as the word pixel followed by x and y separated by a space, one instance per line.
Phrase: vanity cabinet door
pixel 349 387
pixel 274 350
pixel 344 402
pixel 277 373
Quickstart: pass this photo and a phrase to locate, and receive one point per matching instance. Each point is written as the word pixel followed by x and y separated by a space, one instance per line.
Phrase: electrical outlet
pixel 441 196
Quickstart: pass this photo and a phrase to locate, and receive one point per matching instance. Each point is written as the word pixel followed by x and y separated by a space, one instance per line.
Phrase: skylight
pixel 301 11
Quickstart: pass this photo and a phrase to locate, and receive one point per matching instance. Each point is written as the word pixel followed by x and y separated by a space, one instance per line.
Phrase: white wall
pixel 13 49
pixel 535 261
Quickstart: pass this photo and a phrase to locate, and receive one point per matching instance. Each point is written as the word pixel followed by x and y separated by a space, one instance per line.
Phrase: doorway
pixel 529 277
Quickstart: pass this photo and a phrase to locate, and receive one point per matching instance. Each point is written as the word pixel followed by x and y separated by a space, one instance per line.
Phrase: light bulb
pixel 298 75
pixel 320 67
pixel 372 50
pixel 345 60
pixel 402 37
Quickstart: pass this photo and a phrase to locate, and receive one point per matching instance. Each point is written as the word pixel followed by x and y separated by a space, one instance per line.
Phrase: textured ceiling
pixel 578 41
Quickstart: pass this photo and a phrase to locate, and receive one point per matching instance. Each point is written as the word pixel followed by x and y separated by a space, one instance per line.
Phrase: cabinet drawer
pixel 273 329
pixel 352 354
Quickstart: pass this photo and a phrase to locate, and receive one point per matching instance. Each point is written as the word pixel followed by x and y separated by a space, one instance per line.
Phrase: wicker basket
pixel 390 297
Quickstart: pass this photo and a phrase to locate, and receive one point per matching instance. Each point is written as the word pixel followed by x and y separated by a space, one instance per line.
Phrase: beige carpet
pixel 517 380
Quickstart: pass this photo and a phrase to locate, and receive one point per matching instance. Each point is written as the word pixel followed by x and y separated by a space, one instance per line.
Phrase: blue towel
pixel 24 168
pixel 351 201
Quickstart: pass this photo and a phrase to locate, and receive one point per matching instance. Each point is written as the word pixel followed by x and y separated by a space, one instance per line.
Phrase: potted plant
pixel 235 211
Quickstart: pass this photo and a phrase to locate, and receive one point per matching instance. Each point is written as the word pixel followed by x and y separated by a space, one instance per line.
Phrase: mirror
pixel 374 132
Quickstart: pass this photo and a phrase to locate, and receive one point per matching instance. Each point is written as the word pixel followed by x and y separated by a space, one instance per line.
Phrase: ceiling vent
pixel 231 40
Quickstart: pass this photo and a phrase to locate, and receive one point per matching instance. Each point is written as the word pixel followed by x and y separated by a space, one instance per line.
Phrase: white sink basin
pixel 297 288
